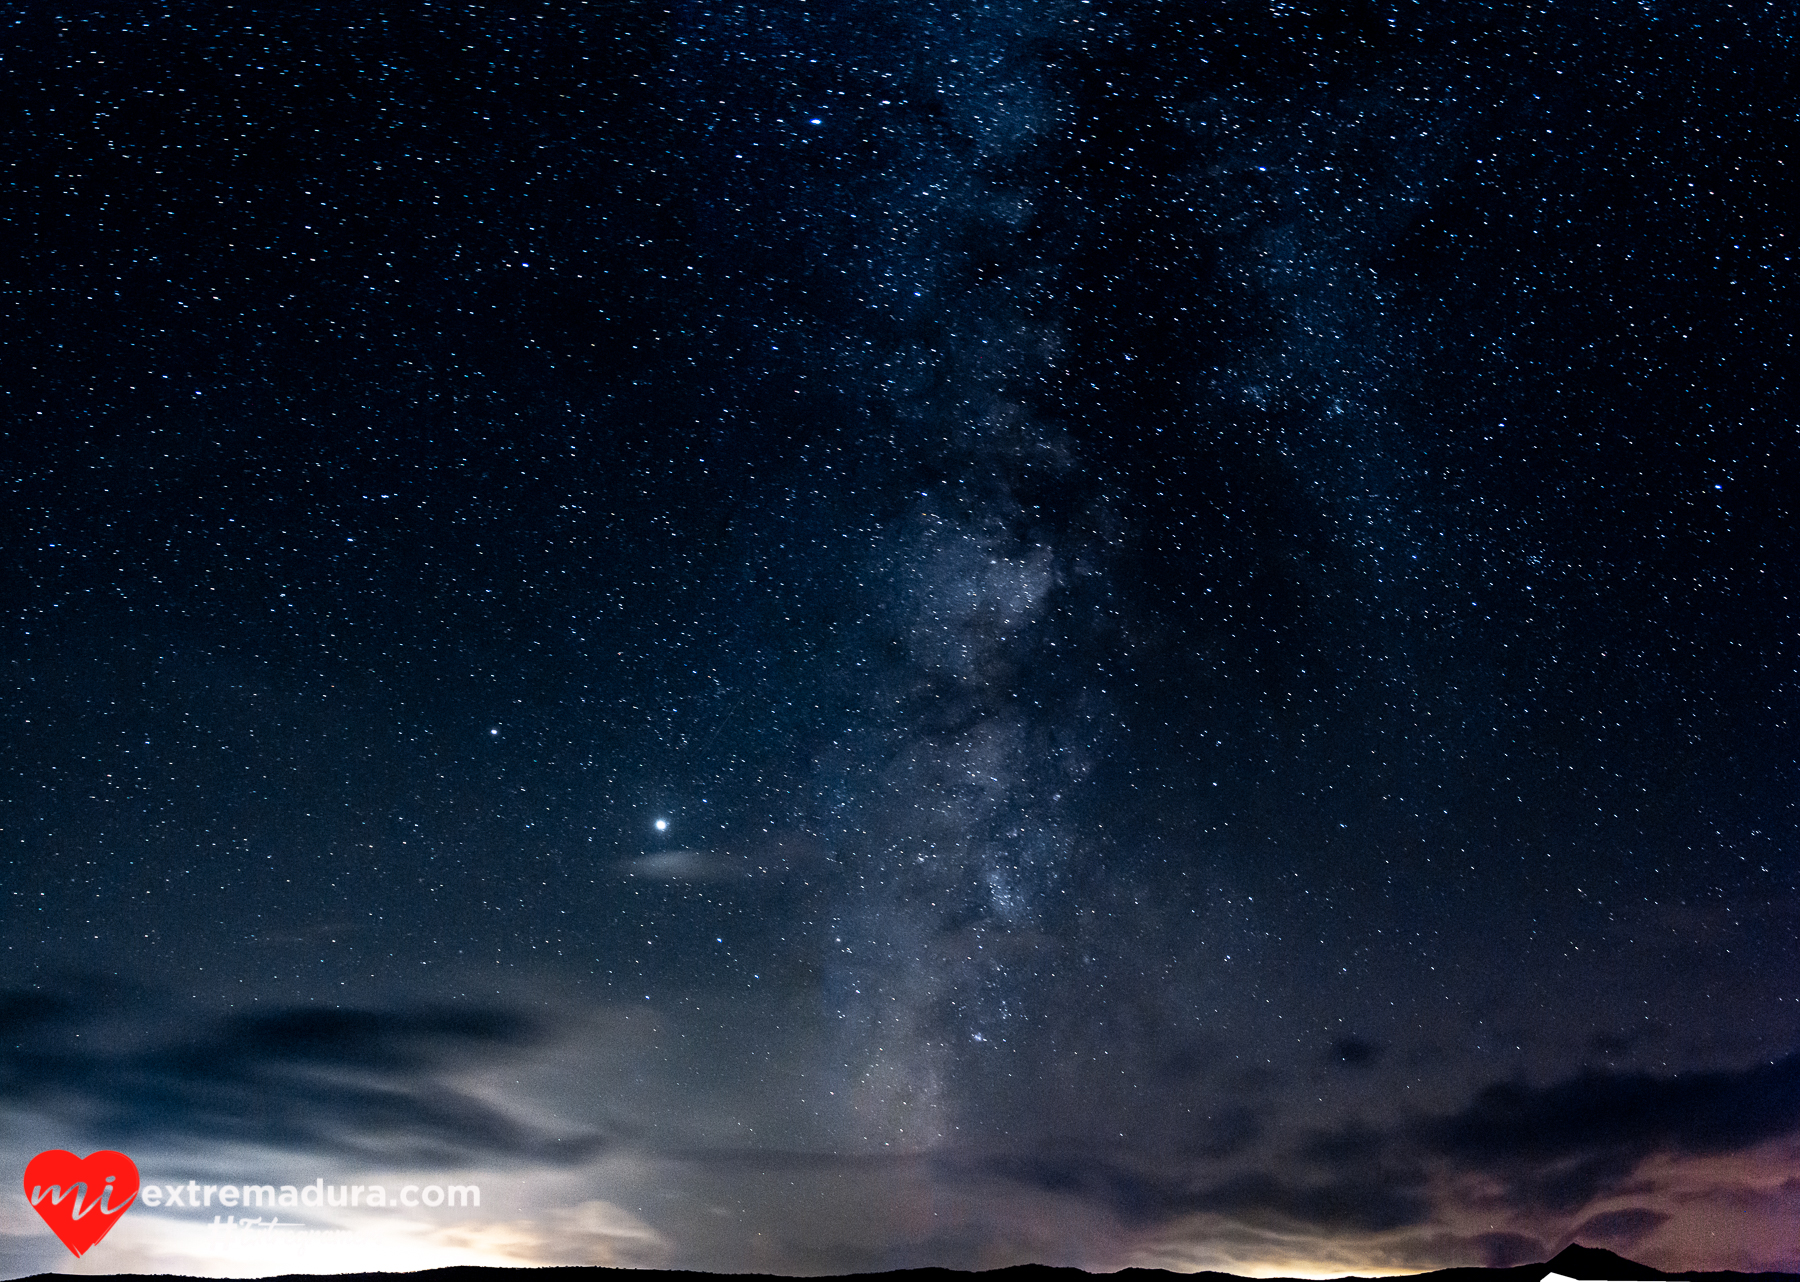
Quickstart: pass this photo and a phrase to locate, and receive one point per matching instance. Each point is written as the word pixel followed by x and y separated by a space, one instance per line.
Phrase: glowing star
pixel 662 825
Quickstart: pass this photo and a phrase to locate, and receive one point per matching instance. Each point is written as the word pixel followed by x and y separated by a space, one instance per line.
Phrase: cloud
pixel 363 1083
pixel 1363 1197
pixel 1562 1145
pixel 594 1232
pixel 1695 1112
pixel 1367 1202
pixel 1604 1158
pixel 1622 1227
pixel 770 857
pixel 686 865
pixel 1538 1164
pixel 1503 1250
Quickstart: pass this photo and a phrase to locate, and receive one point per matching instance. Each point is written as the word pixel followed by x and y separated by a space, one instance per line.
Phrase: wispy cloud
pixel 713 1177
pixel 1561 1145
pixel 365 1084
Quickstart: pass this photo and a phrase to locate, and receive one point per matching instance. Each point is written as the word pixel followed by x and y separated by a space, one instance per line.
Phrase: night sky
pixel 819 635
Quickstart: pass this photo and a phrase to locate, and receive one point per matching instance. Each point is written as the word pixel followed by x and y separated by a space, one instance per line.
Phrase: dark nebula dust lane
pixel 810 638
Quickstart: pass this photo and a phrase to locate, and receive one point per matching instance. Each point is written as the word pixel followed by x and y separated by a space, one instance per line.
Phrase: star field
pixel 1087 633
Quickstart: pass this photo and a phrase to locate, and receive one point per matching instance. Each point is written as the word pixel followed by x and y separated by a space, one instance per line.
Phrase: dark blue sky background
pixel 1204 596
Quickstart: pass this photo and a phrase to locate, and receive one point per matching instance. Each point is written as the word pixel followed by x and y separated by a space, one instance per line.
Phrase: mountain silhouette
pixel 1595 1263
pixel 1585 1263
pixel 1592 1262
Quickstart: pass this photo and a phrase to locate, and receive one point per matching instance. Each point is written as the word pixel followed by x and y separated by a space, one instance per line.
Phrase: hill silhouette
pixel 1584 1263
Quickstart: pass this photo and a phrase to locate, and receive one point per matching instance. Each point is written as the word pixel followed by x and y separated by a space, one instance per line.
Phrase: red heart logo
pixel 80 1198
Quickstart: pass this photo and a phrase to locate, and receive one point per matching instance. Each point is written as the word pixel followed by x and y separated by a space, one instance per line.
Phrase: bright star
pixel 662 825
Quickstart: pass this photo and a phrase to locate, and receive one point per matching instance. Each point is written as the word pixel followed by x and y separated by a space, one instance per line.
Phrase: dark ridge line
pixel 1585 1263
